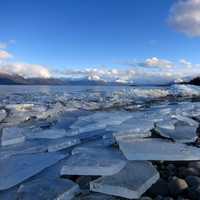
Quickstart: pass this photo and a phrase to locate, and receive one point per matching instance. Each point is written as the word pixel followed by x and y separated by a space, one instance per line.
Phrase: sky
pixel 117 40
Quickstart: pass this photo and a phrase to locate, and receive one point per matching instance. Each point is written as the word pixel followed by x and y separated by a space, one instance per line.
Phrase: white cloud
pixel 155 71
pixel 156 62
pixel 4 55
pixel 186 63
pixel 25 70
pixel 185 17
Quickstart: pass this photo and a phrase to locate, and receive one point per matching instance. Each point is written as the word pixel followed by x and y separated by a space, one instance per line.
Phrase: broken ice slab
pixel 3 115
pixel 22 112
pixel 27 147
pixel 184 90
pixel 43 189
pixel 62 143
pixel 95 144
pixel 12 136
pixel 157 149
pixel 47 134
pixel 16 169
pixel 134 127
pixel 100 120
pixel 54 111
pixel 131 182
pixel 94 162
pixel 178 128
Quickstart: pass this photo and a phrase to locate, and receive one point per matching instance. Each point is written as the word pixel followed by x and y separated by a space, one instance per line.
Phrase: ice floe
pixel 157 149
pixel 43 189
pixel 16 169
pixel 131 182
pixel 12 136
pixel 178 128
pixel 94 162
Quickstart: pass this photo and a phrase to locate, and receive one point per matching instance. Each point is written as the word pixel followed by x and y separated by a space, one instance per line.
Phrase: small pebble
pixel 177 186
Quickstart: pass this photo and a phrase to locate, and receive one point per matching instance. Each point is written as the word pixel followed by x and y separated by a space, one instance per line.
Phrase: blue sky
pixel 79 34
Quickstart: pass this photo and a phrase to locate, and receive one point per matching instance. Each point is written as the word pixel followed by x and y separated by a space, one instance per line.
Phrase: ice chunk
pixel 47 134
pixel 185 90
pixel 100 120
pixel 12 136
pixel 157 149
pixel 3 115
pixel 131 182
pixel 178 128
pixel 134 127
pixel 16 169
pixel 26 147
pixel 93 161
pixel 62 143
pixel 59 189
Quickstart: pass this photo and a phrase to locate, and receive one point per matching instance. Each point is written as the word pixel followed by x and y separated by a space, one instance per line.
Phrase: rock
pixel 131 182
pixel 145 198
pixel 188 171
pixel 194 193
pixel 179 128
pixel 16 169
pixel 93 162
pixel 193 181
pixel 95 196
pixel 12 136
pixel 158 198
pixel 159 188
pixel 47 134
pixel 48 189
pixel 177 186
pixel 62 143
pixel 157 149
pixel 195 164
pixel 84 182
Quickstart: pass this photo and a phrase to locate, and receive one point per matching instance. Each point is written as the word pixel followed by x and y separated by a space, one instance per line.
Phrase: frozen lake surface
pixel 96 131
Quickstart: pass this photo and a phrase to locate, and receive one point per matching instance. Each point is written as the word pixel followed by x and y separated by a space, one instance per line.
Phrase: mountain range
pixel 8 79
pixel 13 79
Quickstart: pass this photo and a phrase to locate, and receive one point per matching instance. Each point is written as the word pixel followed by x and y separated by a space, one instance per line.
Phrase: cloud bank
pixel 4 55
pixel 25 70
pixel 185 17
pixel 151 71
pixel 156 62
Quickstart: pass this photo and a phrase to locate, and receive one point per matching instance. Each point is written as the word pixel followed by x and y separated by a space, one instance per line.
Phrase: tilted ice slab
pixel 12 136
pixel 27 147
pixel 178 128
pixel 47 134
pixel 57 189
pixel 100 120
pixel 62 143
pixel 157 149
pixel 134 127
pixel 16 169
pixel 93 161
pixel 131 182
